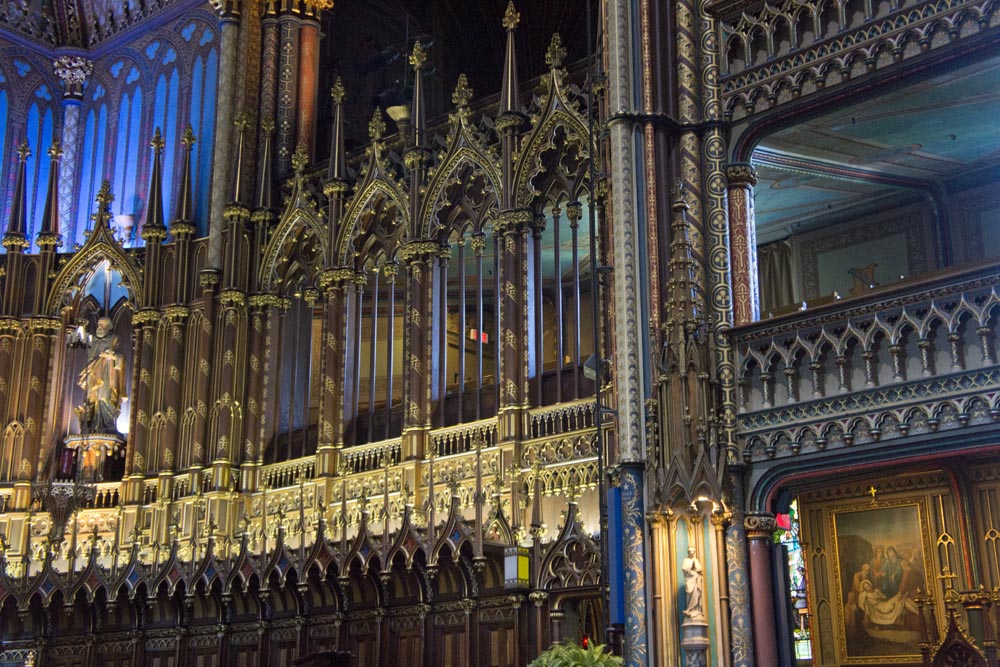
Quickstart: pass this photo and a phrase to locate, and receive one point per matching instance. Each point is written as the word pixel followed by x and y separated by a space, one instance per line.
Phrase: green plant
pixel 571 655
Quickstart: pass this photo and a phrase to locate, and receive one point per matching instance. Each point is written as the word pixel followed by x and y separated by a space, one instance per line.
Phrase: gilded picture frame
pixel 882 552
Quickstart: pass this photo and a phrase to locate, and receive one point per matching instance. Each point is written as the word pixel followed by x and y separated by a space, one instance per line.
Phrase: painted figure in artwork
pixel 103 379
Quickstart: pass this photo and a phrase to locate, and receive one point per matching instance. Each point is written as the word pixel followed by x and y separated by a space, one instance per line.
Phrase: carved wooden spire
pixel 15 239
pixel 417 111
pixel 265 176
pixel 155 228
pixel 48 235
pixel 236 191
pixel 185 202
pixel 338 157
pixel 509 99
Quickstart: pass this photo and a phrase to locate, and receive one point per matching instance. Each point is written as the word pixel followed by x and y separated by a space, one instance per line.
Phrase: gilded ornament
pixel 511 17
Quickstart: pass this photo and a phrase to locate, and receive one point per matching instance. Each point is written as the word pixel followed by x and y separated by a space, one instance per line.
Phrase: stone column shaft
pixel 73 72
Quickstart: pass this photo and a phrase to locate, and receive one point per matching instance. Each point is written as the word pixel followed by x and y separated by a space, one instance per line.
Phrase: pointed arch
pixel 297 246
pixel 100 247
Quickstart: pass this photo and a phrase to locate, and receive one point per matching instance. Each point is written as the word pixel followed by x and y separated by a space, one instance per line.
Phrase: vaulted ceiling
pixel 79 23
pixel 907 143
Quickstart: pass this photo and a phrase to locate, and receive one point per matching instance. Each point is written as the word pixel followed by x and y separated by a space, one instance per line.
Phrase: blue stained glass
pixel 3 135
pixel 203 123
pixel 165 118
pixel 87 190
pixel 121 151
pixel 152 49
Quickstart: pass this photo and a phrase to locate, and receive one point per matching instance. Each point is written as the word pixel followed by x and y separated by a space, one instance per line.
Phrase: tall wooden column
pixel 512 228
pixel 743 243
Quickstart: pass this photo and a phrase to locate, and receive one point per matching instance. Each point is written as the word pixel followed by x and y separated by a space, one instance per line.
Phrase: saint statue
pixel 103 379
pixel 694 582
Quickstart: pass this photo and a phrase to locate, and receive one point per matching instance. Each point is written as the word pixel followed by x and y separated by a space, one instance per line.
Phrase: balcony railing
pixel 912 358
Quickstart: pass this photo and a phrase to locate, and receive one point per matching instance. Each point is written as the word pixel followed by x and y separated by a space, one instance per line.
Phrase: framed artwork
pixel 881 565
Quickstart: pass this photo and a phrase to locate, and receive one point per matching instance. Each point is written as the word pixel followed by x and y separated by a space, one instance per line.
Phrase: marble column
pixel 627 348
pixel 760 536
pixel 229 27
pixel 73 72
pixel 512 228
pixel 743 243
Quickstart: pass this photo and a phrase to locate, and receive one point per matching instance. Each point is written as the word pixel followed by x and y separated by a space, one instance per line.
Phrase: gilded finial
pixel 24 151
pixel 267 125
pixel 188 139
pixel 463 92
pixel 242 122
pixel 679 194
pixel 157 142
pixel 419 55
pixel 512 17
pixel 376 126
pixel 300 158
pixel 556 53
pixel 337 92
pixel 104 196
pixel 55 150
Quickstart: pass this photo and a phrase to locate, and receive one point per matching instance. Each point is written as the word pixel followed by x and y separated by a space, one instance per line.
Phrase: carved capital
pixel 741 173
pixel 513 221
pixel 760 526
pixel 72 71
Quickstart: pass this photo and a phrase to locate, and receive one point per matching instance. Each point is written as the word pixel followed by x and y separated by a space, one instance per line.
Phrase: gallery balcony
pixel 907 369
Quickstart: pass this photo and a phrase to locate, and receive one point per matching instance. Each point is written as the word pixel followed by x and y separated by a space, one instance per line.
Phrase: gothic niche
pixel 96 410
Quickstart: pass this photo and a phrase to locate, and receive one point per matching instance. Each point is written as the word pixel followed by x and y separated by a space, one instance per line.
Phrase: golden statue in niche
pixel 103 380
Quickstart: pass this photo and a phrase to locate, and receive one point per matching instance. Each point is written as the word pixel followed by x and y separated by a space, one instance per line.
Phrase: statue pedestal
pixel 695 641
pixel 97 455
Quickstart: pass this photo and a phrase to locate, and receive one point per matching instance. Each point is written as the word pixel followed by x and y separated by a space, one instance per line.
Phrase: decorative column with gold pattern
pixel 743 243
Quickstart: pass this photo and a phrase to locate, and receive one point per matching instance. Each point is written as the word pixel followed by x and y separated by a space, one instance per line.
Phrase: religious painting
pixel 881 566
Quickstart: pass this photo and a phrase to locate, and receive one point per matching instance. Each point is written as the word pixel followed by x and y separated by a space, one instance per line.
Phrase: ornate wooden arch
pixel 301 224
pixel 101 246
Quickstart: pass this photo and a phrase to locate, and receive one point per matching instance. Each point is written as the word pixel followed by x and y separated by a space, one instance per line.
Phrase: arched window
pixel 202 119
pixel 91 160
pixel 38 133
pixel 128 200
pixel 3 129
pixel 165 113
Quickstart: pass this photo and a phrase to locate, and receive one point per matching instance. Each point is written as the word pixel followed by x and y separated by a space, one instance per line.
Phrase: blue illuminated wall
pixel 164 79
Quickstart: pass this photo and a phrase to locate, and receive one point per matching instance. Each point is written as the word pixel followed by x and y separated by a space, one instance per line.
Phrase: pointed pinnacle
pixel 104 196
pixel 376 126
pixel 557 52
pixel 300 158
pixel 23 151
pixel 157 142
pixel 55 150
pixel 463 92
pixel 511 17
pixel 419 55
pixel 188 139
pixel 337 92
